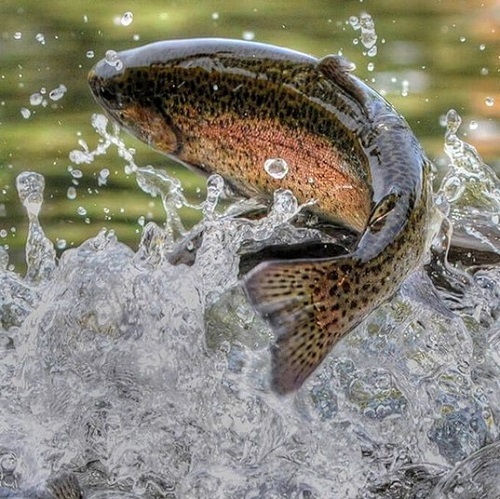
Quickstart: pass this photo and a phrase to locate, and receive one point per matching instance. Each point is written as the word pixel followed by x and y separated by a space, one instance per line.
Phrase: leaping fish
pixel 227 106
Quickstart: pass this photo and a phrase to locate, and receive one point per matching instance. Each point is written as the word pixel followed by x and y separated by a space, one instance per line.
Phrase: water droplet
pixel 40 38
pixel 30 186
pixel 18 35
pixel 354 22
pixel 453 121
pixel 215 187
pixel 489 101
pixel 81 211
pixel 58 93
pixel 495 219
pixel 284 202
pixel 76 173
pixel 136 37
pixel 25 113
pixel 103 177
pixel 462 39
pixel 90 54
pixel 473 125
pixel 71 193
pixel 8 462
pixel 141 221
pixel 36 99
pixel 215 16
pixel 276 167
pixel 111 58
pixel 484 72
pixel 248 35
pixel 127 19
pixel 61 244
pixel 370 66
pixel 405 87
pixel 482 46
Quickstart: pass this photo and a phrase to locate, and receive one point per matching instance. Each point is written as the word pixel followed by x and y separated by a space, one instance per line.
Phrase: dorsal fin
pixel 337 69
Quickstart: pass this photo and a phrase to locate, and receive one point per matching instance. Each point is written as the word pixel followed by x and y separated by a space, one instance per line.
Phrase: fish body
pixel 227 106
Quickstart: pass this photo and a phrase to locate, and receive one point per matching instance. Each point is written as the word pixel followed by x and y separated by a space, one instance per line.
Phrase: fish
pixel 62 486
pixel 227 106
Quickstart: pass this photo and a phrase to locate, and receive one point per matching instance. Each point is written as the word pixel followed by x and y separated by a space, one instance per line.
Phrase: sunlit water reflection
pixel 150 379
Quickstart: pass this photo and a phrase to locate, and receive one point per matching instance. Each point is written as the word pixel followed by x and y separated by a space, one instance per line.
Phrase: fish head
pixel 117 88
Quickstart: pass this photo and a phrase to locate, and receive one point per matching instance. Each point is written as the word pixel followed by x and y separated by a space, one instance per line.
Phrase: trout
pixel 227 106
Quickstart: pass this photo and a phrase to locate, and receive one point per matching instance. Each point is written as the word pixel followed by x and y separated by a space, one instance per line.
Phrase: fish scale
pixel 226 106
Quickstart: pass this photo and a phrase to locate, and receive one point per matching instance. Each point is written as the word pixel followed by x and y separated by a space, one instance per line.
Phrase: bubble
pixel 276 168
pixel 127 19
pixel 215 16
pixel 40 38
pixel 25 113
pixel 370 66
pixel 58 93
pixel 71 193
pixel 136 37
pixel 248 35
pixel 81 211
pixel 18 35
pixel 489 101
pixel 482 46
pixel 36 99
pixel 90 54
pixel 484 72
pixel 462 39
pixel 3 233
pixel 473 125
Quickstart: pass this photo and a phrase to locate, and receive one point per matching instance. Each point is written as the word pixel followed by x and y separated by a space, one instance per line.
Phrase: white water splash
pixel 150 379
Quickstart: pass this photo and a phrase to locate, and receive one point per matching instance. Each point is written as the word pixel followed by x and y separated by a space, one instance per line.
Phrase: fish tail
pixel 64 486
pixel 310 304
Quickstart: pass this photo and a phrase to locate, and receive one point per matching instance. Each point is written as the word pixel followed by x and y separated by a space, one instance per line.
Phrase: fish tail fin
pixel 310 305
pixel 65 486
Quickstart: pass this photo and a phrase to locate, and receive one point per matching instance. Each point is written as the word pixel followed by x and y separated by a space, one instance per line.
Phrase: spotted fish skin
pixel 227 106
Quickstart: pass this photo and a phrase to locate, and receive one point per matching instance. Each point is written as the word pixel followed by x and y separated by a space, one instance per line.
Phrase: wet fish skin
pixel 201 100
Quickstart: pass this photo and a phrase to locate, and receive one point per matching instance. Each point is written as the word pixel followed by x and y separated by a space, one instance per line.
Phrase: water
pixel 151 379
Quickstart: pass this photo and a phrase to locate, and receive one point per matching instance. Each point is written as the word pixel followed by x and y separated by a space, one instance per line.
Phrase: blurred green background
pixel 432 55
